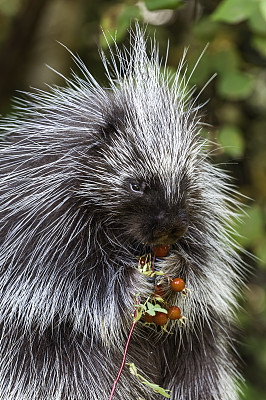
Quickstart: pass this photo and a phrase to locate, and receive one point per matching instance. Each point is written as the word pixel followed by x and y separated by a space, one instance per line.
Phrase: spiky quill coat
pixel 90 178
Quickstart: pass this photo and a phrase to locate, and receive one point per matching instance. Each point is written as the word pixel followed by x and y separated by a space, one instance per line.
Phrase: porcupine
pixel 90 179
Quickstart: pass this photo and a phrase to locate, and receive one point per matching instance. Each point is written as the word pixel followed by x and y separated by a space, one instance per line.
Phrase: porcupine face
pixel 143 185
pixel 149 217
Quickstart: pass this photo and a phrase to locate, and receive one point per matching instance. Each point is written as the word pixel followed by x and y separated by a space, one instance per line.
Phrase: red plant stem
pixel 168 277
pixel 153 263
pixel 125 354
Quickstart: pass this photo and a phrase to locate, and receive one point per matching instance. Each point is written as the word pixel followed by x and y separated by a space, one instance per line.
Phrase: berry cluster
pixel 177 285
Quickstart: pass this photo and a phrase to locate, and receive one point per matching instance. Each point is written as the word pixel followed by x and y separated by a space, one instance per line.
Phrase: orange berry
pixel 160 318
pixel 174 312
pixel 148 318
pixel 161 251
pixel 178 285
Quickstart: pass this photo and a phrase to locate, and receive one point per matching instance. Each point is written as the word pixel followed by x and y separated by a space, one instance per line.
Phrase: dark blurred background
pixel 236 32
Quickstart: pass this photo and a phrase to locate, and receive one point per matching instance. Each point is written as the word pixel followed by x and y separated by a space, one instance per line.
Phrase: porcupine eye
pixel 135 187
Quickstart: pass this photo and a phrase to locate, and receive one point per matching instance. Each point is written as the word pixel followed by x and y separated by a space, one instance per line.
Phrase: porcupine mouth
pixel 168 238
pixel 143 242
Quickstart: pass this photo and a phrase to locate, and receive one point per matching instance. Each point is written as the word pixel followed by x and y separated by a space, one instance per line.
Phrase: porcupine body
pixel 91 178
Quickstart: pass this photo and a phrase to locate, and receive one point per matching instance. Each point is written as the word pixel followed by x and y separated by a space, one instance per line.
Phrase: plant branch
pixel 125 353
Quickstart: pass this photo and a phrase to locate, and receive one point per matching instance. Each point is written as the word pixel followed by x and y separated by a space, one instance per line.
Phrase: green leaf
pixel 262 6
pixel 257 21
pixel 160 309
pixel 133 369
pixel 231 139
pixel 140 309
pixel 152 308
pixel 153 5
pixel 156 388
pixel 235 85
pixel 234 11
pixel 138 316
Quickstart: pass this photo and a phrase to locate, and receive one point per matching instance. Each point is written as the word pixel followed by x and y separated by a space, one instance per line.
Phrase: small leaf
pixel 140 309
pixel 152 308
pixel 257 21
pixel 151 312
pixel 138 316
pixel 133 369
pixel 235 85
pixel 262 6
pixel 158 308
pixel 153 5
pixel 234 11
pixel 156 388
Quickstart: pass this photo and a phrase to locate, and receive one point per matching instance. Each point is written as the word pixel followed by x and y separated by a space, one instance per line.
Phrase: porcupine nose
pixel 170 228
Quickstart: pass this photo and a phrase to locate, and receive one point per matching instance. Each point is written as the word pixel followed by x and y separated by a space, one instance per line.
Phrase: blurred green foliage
pixel 235 31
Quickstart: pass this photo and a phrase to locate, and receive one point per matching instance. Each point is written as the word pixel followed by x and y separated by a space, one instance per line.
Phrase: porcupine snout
pixel 169 227
pixel 153 220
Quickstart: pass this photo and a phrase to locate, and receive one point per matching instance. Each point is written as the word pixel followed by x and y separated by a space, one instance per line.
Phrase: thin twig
pixel 125 353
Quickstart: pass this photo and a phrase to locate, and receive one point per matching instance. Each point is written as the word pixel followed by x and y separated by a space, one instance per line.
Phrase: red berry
pixel 148 318
pixel 174 312
pixel 142 261
pixel 158 290
pixel 160 318
pixel 178 285
pixel 161 251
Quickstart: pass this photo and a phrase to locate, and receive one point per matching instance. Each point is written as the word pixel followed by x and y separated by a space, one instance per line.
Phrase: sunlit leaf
pixel 234 11
pixel 152 308
pixel 154 5
pixel 133 369
pixel 262 6
pixel 257 21
pixel 235 85
pixel 156 388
